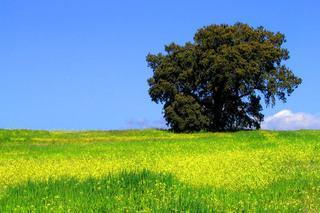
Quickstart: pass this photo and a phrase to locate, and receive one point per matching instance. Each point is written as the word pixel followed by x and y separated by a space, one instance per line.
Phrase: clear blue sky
pixel 74 64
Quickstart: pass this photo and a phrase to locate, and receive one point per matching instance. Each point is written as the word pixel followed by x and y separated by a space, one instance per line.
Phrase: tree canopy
pixel 218 81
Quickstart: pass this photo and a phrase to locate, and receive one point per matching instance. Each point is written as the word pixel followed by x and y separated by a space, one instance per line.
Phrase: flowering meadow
pixel 159 171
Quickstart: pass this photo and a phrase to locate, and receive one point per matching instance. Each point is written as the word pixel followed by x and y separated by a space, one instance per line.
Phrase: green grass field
pixel 158 171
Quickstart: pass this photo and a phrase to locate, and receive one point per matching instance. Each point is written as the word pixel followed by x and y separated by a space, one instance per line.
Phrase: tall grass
pixel 148 191
pixel 154 170
pixel 124 192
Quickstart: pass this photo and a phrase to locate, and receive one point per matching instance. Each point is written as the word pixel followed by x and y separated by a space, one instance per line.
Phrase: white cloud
pixel 288 120
pixel 283 120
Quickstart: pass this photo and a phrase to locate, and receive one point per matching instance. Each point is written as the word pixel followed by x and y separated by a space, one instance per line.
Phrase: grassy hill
pixel 153 170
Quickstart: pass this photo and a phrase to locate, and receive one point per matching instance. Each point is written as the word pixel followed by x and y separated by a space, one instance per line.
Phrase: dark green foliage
pixel 185 114
pixel 216 83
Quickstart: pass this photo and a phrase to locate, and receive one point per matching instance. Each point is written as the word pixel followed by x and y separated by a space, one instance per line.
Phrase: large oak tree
pixel 217 82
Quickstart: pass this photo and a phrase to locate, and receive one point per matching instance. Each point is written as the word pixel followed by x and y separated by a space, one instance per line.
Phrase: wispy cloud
pixel 288 120
pixel 143 123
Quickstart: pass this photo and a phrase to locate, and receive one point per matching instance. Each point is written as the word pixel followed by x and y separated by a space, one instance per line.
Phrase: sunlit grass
pixel 249 170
